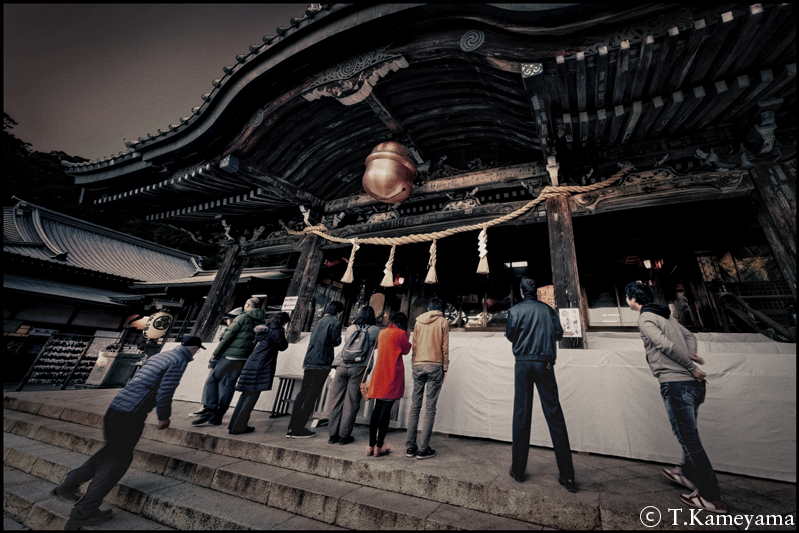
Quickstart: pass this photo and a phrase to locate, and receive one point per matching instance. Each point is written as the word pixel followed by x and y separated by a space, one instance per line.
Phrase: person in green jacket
pixel 229 357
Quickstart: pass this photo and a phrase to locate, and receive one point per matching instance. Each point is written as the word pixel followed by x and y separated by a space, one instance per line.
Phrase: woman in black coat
pixel 258 372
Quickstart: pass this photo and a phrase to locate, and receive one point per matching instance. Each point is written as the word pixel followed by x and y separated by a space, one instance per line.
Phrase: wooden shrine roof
pixel 464 86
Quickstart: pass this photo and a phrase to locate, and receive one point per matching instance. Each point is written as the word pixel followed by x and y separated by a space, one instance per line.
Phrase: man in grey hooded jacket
pixel 671 354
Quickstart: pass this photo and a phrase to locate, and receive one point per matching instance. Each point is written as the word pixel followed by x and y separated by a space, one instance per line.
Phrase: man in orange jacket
pixel 430 362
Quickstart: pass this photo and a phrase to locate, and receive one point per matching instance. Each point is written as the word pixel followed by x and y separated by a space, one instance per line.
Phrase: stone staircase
pixel 186 478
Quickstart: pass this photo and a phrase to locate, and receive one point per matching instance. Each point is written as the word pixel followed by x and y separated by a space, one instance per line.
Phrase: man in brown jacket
pixel 430 362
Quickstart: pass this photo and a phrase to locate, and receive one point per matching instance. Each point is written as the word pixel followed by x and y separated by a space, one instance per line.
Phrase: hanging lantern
pixel 389 173
pixel 157 325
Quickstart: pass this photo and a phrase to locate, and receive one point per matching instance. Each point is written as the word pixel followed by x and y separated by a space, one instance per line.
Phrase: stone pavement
pixel 468 474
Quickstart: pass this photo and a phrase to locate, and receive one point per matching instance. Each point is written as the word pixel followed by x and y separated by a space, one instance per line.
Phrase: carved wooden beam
pixel 440 186
pixel 258 177
pixel 395 126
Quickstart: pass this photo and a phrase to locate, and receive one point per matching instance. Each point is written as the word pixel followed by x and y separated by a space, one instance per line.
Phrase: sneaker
pixel 201 411
pixel 677 476
pixel 97 517
pixel 695 500
pixel 333 439
pixel 303 434
pixel 411 452
pixel 426 454
pixel 205 417
pixel 570 484
pixel 346 440
pixel 67 495
pixel 288 434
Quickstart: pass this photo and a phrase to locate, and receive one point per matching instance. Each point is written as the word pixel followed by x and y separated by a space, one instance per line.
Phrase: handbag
pixel 365 384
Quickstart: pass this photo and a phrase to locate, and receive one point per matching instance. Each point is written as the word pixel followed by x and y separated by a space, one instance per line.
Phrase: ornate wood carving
pixel 351 81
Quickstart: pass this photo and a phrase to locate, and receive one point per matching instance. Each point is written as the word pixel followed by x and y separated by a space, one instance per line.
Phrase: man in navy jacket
pixel 533 328
pixel 151 387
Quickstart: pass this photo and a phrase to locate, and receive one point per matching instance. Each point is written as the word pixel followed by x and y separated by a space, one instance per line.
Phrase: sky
pixel 80 78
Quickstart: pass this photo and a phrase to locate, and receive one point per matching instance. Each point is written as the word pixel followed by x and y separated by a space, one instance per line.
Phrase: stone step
pixel 542 503
pixel 27 500
pixel 168 483
pixel 487 489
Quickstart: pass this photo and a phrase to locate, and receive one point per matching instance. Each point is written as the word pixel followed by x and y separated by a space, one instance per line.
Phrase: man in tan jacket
pixel 430 362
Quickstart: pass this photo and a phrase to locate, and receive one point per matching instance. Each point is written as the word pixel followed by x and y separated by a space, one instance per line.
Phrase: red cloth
pixel 388 375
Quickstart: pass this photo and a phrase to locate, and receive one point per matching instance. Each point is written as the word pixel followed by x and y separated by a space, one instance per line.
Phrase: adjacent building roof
pixel 59 289
pixel 34 232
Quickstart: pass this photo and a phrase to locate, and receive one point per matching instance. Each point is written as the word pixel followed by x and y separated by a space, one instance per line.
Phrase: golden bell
pixel 389 173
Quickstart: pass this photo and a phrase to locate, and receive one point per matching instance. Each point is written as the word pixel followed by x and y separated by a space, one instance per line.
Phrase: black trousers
pixel 241 414
pixel 106 467
pixel 542 375
pixel 313 381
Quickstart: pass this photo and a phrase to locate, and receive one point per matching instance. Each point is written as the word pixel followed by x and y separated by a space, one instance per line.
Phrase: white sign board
pixel 289 304
pixel 570 320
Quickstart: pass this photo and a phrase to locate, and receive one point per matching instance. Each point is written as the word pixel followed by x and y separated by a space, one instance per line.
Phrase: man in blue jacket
pixel 533 328
pixel 318 361
pixel 151 387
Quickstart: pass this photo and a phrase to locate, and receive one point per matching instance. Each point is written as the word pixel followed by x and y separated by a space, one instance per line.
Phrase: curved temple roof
pixel 292 121
pixel 38 233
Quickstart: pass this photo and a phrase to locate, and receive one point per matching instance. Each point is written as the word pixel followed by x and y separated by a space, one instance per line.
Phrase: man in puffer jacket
pixel 430 362
pixel 151 387
pixel 230 355
pixel 671 354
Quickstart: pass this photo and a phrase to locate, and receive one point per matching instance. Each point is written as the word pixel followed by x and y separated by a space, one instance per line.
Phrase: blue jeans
pixel 682 399
pixel 542 375
pixel 427 377
pixel 221 383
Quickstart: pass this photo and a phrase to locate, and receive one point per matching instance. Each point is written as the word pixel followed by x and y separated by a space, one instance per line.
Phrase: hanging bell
pixel 389 173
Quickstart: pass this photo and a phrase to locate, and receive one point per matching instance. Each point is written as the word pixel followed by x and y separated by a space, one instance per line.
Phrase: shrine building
pixel 394 152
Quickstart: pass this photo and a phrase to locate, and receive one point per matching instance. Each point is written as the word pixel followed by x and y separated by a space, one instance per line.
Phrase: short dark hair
pixel 639 292
pixel 435 304
pixel 365 316
pixel 281 318
pixel 527 286
pixel 400 320
pixel 334 308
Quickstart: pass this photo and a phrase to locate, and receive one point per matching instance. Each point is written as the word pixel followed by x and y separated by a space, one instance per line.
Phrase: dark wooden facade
pixel 494 102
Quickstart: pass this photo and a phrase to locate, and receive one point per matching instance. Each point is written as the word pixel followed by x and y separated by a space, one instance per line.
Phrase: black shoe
pixel 201 411
pixel 570 484
pixel 411 452
pixel 517 479
pixel 288 433
pixel 67 495
pixel 96 518
pixel 248 429
pixel 426 454
pixel 333 439
pixel 303 434
pixel 346 440
pixel 216 419
pixel 203 418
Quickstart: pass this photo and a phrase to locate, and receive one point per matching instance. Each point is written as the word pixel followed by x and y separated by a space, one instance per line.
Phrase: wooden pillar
pixel 564 263
pixel 303 284
pixel 218 299
pixel 775 203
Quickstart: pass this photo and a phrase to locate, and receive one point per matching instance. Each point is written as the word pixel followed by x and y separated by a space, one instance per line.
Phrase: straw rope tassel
pixel 431 272
pixel 482 241
pixel 388 279
pixel 347 278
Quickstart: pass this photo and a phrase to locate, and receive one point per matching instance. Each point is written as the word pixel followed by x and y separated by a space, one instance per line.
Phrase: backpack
pixel 357 348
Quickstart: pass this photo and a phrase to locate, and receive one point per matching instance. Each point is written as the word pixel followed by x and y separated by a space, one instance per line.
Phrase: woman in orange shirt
pixel 388 380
